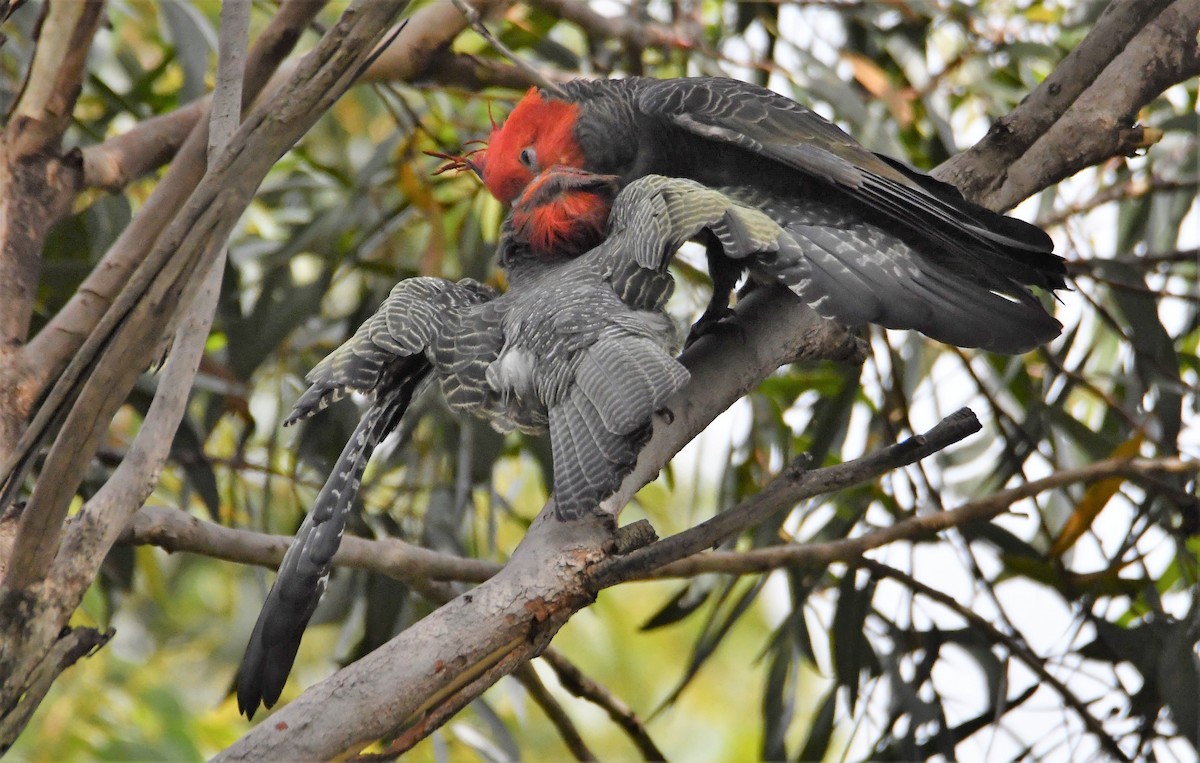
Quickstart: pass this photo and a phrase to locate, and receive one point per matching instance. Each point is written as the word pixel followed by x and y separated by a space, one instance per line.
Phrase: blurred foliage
pixel 809 664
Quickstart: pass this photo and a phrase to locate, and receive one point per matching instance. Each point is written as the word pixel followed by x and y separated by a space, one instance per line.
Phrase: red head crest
pixel 537 135
pixel 564 211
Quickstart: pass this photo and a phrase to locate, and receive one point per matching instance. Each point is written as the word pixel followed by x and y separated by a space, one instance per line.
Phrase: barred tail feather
pixel 305 569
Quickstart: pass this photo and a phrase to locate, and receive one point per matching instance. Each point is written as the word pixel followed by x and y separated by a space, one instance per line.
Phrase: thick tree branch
pixel 110 360
pixel 71 645
pixel 37 186
pixel 1164 53
pixel 449 657
pixel 511 617
pixel 55 77
pixel 62 337
pixel 1013 134
pixel 136 476
pixel 1085 111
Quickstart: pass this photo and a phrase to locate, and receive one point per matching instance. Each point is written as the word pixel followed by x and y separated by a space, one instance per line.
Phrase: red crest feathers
pixel 564 212
pixel 545 125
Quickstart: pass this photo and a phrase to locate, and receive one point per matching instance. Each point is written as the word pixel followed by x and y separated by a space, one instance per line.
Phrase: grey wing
pixel 770 125
pixel 859 274
pixel 386 358
pixel 654 215
pixel 404 325
pixel 847 269
pixel 463 355
pixel 603 420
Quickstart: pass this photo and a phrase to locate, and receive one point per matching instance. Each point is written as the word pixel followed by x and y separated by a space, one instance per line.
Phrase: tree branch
pixel 819 555
pixel 575 681
pixel 71 645
pixel 66 331
pixel 794 483
pixel 1134 188
pixel 980 171
pixel 633 33
pixel 37 186
pixel 175 530
pixel 476 21
pixel 420 53
pixel 528 678
pixel 1164 53
pixel 104 370
pixel 512 617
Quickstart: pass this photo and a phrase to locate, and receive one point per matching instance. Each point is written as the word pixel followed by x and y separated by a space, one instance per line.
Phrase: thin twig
pixel 850 549
pixel 575 681
pixel 1145 261
pixel 542 81
pixel 528 678
pixel 1016 646
pixel 633 32
pixel 1134 188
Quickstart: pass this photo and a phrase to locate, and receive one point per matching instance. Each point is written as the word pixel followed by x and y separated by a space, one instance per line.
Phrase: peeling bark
pixel 37 187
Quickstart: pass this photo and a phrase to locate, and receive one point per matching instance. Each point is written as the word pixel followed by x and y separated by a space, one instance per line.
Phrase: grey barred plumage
pixel 580 346
pixel 304 571
pixel 861 216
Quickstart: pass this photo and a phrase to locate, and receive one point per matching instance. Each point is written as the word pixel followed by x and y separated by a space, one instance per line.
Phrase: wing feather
pixel 777 128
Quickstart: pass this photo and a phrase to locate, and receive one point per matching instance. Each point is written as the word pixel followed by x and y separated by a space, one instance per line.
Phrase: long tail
pixel 305 568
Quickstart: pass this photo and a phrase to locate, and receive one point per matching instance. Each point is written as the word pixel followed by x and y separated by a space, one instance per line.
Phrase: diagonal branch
pixel 471 14
pixel 529 678
pixel 102 372
pixel 33 609
pixel 914 528
pixel 66 332
pixel 511 617
pixel 37 186
pixel 575 681
pixel 795 483
pixel 1084 111
pixel 1013 134
pixel 637 34
pixel 421 53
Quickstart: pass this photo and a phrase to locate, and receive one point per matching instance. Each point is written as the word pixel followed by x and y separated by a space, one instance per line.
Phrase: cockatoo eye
pixel 528 157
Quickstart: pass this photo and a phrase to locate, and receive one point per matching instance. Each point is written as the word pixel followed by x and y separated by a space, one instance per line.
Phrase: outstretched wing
pixel 845 268
pixel 386 360
pixel 404 325
pixel 777 128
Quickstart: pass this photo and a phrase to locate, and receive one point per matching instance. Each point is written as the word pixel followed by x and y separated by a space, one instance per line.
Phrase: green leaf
pixel 852 653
